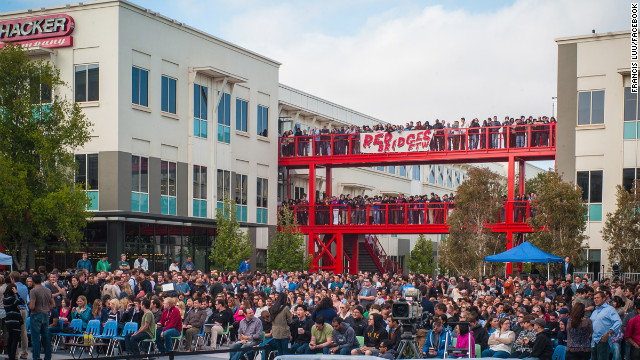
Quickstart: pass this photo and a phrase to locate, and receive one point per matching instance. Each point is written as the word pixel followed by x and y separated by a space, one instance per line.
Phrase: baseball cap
pixel 539 321
pixel 563 311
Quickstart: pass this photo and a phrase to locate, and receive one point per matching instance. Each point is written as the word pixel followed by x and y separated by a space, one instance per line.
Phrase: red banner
pixel 46 43
pixel 40 27
pixel 405 141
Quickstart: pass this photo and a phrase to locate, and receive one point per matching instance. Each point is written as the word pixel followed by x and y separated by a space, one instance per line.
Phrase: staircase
pixel 373 258
pixel 366 262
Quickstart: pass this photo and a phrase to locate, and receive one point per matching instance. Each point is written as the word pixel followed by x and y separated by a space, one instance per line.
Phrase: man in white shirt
pixel 141 263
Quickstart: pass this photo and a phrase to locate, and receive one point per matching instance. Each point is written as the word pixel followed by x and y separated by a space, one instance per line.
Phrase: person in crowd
pixel 373 337
pixel 606 322
pixel 632 332
pixel 123 264
pixel 103 264
pixel 85 263
pixel 438 340
pixel 321 337
pixel 500 341
pixel 357 321
pixel 194 321
pixel 141 263
pixel 170 325
pixel 82 311
pixel 542 348
pixel 249 333
pixel 282 319
pixel 523 345
pixel 244 266
pixel 220 319
pixel 12 305
pixel 145 331
pixel 300 331
pixel 344 338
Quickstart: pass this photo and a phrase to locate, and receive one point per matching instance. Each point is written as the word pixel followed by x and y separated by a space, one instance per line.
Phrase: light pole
pixel 553 105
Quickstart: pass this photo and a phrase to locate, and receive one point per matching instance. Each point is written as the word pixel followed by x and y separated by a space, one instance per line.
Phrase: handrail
pixel 406 214
pixel 371 250
pixel 448 139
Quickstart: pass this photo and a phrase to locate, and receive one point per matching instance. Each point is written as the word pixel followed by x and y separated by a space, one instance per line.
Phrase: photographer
pixel 438 340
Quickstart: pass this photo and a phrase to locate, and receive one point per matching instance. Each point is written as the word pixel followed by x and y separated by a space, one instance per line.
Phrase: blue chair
pixel 93 328
pixel 109 332
pixel 559 353
pixel 197 338
pixel 129 328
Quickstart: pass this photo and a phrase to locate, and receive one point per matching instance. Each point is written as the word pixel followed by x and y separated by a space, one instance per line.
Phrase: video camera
pixel 408 311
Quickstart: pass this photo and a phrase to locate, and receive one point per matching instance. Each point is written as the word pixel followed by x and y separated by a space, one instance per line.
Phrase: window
pixel 168 95
pixel 139 183
pixel 223 187
pixel 629 176
pixel 262 188
pixel 380 168
pixel 224 119
pixel 199 191
pixel 440 175
pixel 432 174
pixel 631 115
pixel 87 82
pixel 391 170
pixel 263 121
pixel 200 111
pixel 241 197
pixel 591 184
pixel 87 177
pixel 241 115
pixel 456 178
pixel 591 107
pixel 403 170
pixel 449 177
pixel 298 193
pixel 415 175
pixel 168 187
pixel 40 93
pixel 139 86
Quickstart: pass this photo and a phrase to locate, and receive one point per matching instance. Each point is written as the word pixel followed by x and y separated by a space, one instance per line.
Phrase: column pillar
pixel 521 176
pixel 509 206
pixel 355 253
pixel 312 194
pixel 339 265
pixel 328 182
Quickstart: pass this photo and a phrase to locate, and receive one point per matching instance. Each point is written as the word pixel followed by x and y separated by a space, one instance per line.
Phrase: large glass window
pixel 629 176
pixel 242 107
pixel 200 111
pixel 402 170
pixel 241 197
pixel 591 107
pixel 591 184
pixel 87 177
pixel 263 121
pixel 415 175
pixel 224 118
pixel 87 81
pixel 391 169
pixel 168 198
pixel 631 115
pixel 262 188
pixel 139 183
pixel 139 86
pixel 199 191
pixel 168 94
pixel 223 186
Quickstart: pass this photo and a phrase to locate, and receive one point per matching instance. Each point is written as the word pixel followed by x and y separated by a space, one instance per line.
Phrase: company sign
pixel 50 31
pixel 406 141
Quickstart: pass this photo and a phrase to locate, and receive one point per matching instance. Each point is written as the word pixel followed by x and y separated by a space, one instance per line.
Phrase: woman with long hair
pixel 65 312
pixel 82 311
pixel 13 321
pixel 126 291
pixel 501 340
pixel 282 318
pixel 324 308
pixel 579 331
pixel 75 291
pixel 492 325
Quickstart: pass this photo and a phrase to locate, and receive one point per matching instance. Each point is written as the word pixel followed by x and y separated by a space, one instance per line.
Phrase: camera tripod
pixel 408 349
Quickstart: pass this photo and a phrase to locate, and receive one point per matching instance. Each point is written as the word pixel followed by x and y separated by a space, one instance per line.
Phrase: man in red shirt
pixel 170 325
pixel 632 333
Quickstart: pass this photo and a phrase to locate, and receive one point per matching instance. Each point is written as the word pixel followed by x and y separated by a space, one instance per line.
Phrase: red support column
pixel 287 175
pixel 509 246
pixel 311 250
pixel 312 194
pixel 521 176
pixel 328 183
pixel 338 266
pixel 355 254
pixel 509 206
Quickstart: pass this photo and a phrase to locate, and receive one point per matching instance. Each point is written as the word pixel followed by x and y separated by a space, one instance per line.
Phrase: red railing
pixel 450 139
pixel 379 256
pixel 411 214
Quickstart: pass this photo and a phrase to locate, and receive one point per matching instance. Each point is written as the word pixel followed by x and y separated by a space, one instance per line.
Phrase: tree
pixel 287 250
pixel 421 257
pixel 231 246
pixel 622 230
pixel 560 218
pixel 39 128
pixel 478 202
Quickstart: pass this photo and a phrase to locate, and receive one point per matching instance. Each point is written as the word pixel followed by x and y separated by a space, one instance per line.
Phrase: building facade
pixel 181 120
pixel 598 129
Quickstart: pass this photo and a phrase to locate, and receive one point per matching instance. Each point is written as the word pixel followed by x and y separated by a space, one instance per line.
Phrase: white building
pixel 597 129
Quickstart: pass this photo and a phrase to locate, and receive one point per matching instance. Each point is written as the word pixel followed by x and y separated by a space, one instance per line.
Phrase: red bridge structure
pixel 336 247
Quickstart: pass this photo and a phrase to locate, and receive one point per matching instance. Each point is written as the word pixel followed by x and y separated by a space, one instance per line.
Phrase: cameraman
pixel 438 340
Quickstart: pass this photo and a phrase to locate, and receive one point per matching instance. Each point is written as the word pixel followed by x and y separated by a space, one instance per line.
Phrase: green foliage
pixel 478 202
pixel 231 246
pixel 421 257
pixel 38 197
pixel 622 230
pixel 560 218
pixel 286 250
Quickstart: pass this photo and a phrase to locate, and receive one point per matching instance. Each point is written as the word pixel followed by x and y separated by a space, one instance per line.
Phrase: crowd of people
pixel 456 135
pixel 305 313
pixel 393 210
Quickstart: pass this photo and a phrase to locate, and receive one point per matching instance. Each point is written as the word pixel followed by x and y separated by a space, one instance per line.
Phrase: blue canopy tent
pixel 6 260
pixel 525 252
